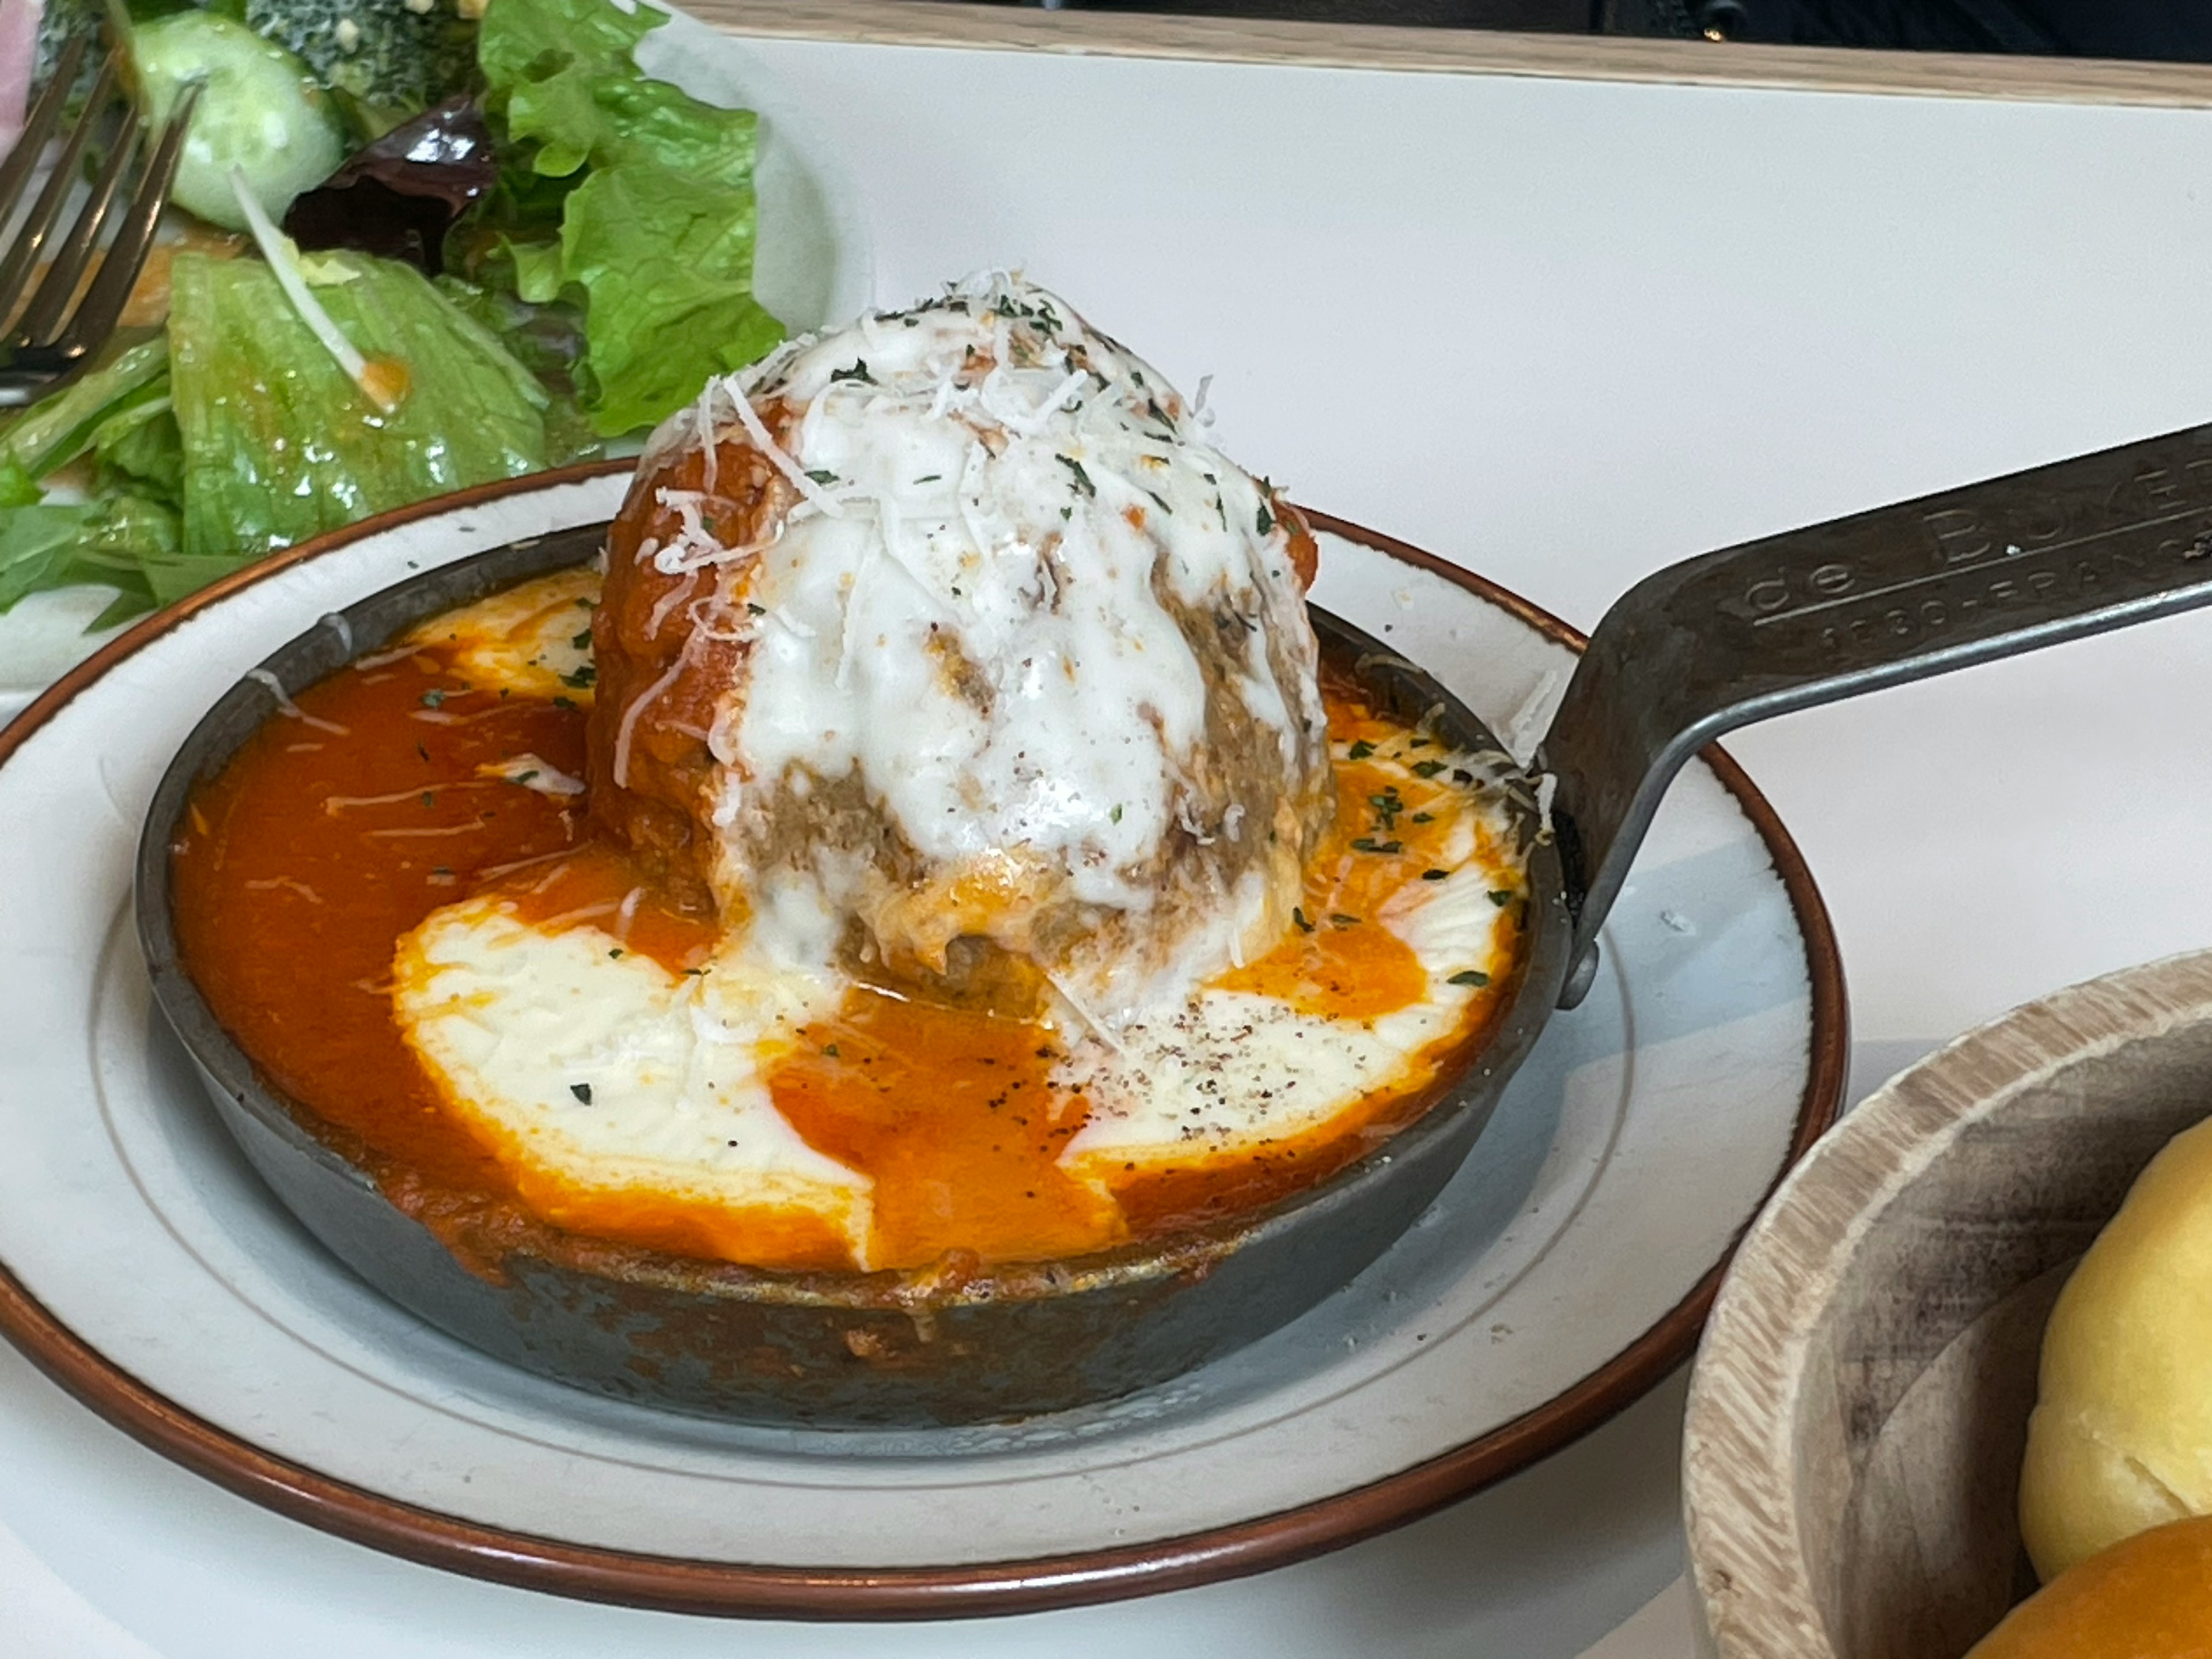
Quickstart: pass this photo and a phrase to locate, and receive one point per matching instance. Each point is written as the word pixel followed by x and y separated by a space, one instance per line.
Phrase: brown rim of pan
pixel 675 1585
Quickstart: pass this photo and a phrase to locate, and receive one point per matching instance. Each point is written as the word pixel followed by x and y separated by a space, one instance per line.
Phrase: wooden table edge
pixel 1467 51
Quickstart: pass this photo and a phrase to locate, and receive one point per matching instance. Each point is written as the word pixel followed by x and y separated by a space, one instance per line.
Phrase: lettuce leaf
pixel 546 61
pixel 564 74
pixel 670 280
pixel 140 452
pixel 127 539
pixel 278 445
pixel 540 273
pixel 546 339
pixel 656 218
pixel 237 435
pixel 126 543
pixel 61 426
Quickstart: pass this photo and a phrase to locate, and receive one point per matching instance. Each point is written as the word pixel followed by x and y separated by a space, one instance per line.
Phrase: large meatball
pixel 943 647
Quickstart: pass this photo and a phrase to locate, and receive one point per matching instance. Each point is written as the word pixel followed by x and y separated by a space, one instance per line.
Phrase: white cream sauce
pixel 533 639
pixel 1231 1072
pixel 572 1058
pixel 575 1058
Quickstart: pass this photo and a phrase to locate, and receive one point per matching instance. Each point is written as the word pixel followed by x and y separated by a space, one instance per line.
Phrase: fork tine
pixel 38 127
pixel 118 271
pixel 37 322
pixel 15 266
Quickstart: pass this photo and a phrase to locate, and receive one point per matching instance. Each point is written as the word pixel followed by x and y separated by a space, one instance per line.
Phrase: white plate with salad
pixel 494 238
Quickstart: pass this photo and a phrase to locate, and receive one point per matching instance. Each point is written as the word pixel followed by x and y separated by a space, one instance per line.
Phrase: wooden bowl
pixel 1860 1403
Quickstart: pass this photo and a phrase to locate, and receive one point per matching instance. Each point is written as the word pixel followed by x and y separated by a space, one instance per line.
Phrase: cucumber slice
pixel 260 113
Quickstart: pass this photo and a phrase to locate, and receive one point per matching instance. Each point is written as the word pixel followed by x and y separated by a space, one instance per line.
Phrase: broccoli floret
pixel 385 60
pixel 61 22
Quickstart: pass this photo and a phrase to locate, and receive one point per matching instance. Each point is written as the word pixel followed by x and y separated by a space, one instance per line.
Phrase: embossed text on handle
pixel 1860 603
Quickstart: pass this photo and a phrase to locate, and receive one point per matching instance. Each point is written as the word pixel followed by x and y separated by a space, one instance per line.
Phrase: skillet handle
pixel 1961 577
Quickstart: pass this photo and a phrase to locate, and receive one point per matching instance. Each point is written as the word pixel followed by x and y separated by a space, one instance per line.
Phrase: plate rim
pixel 672 1584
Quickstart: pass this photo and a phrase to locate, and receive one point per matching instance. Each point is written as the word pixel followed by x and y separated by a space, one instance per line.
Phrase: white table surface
pixel 1564 333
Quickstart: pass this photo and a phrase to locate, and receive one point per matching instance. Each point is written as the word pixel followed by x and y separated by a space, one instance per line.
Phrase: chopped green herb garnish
pixel 1300 917
pixel 564 703
pixel 756 609
pixel 1427 768
pixel 581 640
pixel 822 475
pixel 1461 774
pixel 1470 977
pixel 583 676
pixel 1082 479
pixel 1502 896
pixel 858 372
pixel 1265 520
pixel 929 478
pixel 421 752
pixel 433 700
pixel 1434 875
pixel 1423 817
pixel 1359 750
pixel 429 798
pixel 830 1049
pixel 1116 815
pixel 1067 512
pixel 1343 920
pixel 1369 844
pixel 582 1092
pixel 525 778
pixel 615 954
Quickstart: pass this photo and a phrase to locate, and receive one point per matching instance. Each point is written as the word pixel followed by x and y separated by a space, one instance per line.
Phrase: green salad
pixel 503 247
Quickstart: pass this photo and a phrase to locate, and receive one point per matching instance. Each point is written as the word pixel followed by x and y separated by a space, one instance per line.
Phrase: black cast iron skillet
pixel 1701 647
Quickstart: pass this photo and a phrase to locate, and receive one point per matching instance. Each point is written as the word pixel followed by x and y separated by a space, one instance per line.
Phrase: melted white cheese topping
pixel 1009 526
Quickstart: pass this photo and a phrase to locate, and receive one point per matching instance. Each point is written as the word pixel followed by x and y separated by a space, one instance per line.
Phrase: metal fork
pixel 48 340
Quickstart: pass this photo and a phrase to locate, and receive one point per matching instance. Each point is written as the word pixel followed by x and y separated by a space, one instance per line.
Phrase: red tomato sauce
pixel 336 830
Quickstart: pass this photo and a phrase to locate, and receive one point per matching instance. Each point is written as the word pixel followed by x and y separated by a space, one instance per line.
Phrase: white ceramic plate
pixel 1565 1270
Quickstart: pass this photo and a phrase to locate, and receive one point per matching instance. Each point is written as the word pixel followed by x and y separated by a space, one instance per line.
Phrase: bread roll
pixel 2121 1440
pixel 2149 1597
